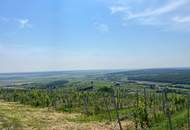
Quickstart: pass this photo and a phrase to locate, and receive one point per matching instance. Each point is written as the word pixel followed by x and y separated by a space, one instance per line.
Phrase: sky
pixel 48 35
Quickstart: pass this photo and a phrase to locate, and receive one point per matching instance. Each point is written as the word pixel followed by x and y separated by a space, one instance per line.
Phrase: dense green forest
pixel 175 76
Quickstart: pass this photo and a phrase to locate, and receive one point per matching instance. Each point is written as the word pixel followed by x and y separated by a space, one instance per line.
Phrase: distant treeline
pixel 50 85
pixel 175 76
pixel 55 84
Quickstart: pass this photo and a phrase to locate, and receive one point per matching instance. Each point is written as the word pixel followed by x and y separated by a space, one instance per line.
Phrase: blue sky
pixel 40 35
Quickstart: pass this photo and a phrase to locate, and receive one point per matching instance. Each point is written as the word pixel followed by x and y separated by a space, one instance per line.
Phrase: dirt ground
pixel 14 116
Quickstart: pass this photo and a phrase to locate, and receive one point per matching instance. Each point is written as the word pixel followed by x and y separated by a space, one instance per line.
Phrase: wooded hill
pixel 175 75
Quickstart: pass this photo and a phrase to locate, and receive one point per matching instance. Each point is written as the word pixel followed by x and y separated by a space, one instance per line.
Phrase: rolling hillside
pixel 175 75
pixel 14 116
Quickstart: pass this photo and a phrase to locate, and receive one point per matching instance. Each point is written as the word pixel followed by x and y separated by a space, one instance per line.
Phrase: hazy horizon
pixel 93 70
pixel 66 35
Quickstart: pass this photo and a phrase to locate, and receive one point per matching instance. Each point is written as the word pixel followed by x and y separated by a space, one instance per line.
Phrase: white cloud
pixel 169 7
pixel 116 9
pixel 102 27
pixel 24 23
pixel 180 19
pixel 164 14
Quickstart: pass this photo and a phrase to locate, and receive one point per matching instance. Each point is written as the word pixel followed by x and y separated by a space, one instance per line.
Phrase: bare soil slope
pixel 14 116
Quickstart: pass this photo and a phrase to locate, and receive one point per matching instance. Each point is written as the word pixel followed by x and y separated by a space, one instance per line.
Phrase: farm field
pixel 97 102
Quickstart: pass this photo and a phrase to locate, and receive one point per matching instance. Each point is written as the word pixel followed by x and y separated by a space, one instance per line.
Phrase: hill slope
pixel 176 75
pixel 14 116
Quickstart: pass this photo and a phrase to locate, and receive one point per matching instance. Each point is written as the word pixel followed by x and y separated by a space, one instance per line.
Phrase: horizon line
pixel 111 69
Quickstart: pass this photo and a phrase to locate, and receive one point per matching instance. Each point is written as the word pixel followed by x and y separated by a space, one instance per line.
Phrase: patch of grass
pixel 10 123
pixel 14 116
pixel 101 117
pixel 178 121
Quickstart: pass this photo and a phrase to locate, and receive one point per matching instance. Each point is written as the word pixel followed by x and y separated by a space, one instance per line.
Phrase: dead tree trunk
pixel 117 112
pixel 145 108
pixel 167 110
pixel 107 109
pixel 188 105
pixel 137 106
pixel 154 105
pixel 163 103
pixel 85 99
